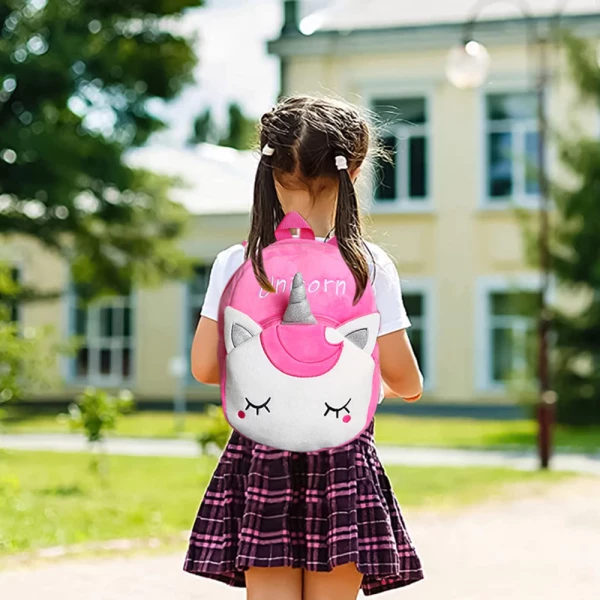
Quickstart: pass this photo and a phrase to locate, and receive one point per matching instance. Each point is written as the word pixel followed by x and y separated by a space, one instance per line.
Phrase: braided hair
pixel 305 135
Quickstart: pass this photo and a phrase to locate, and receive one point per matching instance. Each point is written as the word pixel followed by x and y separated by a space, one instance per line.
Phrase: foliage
pixel 76 78
pixel 240 132
pixel 576 255
pixel 97 411
pixel 217 430
pixel 25 359
pixel 204 129
pixel 26 355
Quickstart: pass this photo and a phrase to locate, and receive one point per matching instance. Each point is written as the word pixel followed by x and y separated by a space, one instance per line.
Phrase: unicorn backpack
pixel 299 367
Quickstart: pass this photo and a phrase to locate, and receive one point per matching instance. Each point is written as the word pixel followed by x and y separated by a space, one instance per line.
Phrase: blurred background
pixel 127 159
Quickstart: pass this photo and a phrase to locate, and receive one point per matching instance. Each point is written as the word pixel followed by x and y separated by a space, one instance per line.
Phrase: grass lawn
pixel 53 499
pixel 139 424
pixel 472 433
pixel 390 429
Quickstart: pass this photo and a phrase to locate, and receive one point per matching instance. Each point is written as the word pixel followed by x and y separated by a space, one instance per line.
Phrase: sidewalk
pixel 544 547
pixel 390 455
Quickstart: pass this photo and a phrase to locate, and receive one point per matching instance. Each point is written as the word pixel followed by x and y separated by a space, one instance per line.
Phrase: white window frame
pixel 521 127
pixel 425 286
pixel 404 131
pixel 114 344
pixel 486 286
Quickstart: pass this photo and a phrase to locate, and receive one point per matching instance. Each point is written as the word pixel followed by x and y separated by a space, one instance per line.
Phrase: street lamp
pixel 468 67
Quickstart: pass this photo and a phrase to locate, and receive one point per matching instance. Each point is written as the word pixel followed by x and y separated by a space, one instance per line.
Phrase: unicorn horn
pixel 298 310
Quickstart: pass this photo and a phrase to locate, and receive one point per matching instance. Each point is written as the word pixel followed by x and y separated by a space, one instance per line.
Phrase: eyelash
pixel 337 411
pixel 258 408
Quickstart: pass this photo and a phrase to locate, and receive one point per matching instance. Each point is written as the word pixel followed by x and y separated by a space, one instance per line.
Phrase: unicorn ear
pixel 239 328
pixel 362 332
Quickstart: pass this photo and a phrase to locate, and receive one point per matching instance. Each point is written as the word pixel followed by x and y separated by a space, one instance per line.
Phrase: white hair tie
pixel 268 150
pixel 341 163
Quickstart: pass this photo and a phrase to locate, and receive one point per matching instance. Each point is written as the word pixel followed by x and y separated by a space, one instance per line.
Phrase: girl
pixel 307 526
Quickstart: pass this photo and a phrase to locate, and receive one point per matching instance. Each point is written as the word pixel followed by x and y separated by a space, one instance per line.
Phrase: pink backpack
pixel 299 367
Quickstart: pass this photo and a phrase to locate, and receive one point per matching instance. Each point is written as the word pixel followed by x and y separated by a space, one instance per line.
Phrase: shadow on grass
pixel 18 414
pixel 62 490
pixel 514 438
pixel 586 439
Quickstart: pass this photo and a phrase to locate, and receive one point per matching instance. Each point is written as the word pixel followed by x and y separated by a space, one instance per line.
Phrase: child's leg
pixel 274 583
pixel 343 583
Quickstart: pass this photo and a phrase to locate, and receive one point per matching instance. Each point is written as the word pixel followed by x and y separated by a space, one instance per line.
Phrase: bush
pixel 578 411
pixel 217 432
pixel 97 411
pixel 27 355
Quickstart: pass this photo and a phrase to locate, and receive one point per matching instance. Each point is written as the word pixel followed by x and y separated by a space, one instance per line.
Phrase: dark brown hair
pixel 307 134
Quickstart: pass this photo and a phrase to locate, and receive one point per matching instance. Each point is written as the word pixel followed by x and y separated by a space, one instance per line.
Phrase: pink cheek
pixel 241 414
pixel 347 419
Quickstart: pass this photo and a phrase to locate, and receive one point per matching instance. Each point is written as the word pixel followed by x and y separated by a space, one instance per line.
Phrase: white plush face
pixel 295 413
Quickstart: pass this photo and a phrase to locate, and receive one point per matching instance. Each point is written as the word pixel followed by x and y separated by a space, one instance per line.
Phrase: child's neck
pixel 319 213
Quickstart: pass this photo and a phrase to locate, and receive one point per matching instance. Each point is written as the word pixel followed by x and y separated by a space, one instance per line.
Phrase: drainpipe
pixel 291 26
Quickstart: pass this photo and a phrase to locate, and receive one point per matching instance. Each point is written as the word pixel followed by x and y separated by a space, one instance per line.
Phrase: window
pixel 196 294
pixel 405 180
pixel 106 329
pixel 415 307
pixel 418 300
pixel 512 148
pixel 512 340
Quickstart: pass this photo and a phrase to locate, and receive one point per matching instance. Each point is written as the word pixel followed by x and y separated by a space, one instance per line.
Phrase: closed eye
pixel 258 407
pixel 337 411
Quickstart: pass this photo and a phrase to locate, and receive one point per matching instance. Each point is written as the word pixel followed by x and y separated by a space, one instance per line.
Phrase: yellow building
pixel 445 210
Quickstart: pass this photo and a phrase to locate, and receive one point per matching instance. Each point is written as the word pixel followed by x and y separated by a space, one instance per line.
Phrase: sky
pixel 233 63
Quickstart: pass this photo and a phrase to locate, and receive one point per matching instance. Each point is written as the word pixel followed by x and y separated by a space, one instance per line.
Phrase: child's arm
pixel 205 366
pixel 399 369
pixel 204 357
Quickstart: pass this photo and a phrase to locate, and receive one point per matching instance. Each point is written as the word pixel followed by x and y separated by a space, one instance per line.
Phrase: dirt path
pixel 543 547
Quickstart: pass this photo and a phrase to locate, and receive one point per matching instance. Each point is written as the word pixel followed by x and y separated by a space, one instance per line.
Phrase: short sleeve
pixel 388 295
pixel 225 265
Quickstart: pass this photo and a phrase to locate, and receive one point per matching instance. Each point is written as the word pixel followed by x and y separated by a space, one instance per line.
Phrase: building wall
pixel 161 320
pixel 458 245
pixel 455 249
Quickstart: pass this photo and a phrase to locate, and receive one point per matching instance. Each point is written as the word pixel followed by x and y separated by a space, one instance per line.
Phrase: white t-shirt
pixel 386 286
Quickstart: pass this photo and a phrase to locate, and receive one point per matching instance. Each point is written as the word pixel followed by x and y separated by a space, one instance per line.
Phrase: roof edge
pixel 418 37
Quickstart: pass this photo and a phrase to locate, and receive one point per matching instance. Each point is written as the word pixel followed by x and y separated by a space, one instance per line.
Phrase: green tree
pixel 76 77
pixel 576 256
pixel 240 132
pixel 203 129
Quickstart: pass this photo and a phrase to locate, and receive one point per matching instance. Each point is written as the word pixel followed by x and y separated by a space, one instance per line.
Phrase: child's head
pixel 301 138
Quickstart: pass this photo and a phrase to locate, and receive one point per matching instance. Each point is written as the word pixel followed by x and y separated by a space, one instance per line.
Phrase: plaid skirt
pixel 316 511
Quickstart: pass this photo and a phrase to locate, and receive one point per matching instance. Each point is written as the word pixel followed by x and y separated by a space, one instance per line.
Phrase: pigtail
pixel 298 139
pixel 266 216
pixel 348 229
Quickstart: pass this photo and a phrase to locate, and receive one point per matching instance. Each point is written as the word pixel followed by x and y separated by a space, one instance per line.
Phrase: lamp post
pixel 178 369
pixel 468 67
